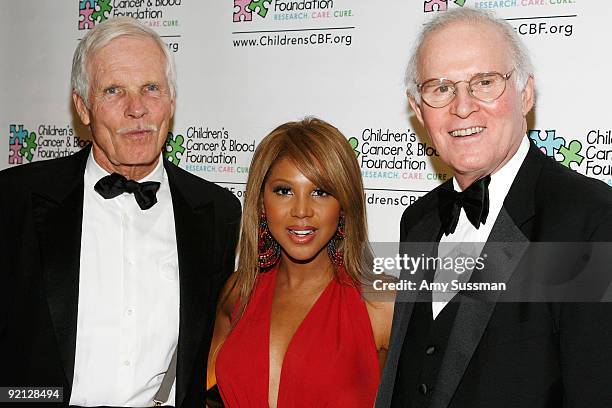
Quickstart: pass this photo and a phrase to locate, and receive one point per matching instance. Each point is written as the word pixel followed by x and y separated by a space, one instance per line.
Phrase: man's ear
pixel 81 108
pixel 528 96
pixel 416 108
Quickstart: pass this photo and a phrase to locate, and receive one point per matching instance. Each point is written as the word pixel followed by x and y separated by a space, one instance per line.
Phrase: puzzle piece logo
pixel 17 132
pixel 244 9
pixel 555 146
pixel 354 144
pixel 174 147
pixel 241 11
pixel 439 5
pixel 29 146
pixel 92 12
pixel 14 156
pixel 549 144
pixel 571 154
pixel 102 9
pixel 260 6
pixel 22 144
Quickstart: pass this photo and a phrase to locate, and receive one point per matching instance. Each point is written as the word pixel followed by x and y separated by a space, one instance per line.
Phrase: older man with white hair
pixel 111 280
pixel 470 83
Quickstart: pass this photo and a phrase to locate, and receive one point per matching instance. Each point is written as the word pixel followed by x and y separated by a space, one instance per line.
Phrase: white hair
pixel 522 65
pixel 100 36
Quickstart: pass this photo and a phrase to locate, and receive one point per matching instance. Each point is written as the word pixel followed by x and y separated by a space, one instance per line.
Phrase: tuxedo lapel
pixel 474 313
pixel 520 202
pixel 512 226
pixel 194 225
pixel 58 217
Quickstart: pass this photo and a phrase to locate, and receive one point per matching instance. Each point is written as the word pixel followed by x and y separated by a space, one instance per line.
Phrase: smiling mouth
pixel 467 131
pixel 301 233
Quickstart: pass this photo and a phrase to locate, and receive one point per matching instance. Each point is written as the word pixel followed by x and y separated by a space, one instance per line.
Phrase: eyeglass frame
pixel 470 91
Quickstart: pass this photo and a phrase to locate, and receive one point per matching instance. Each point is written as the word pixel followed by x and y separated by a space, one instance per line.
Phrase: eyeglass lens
pixel 486 87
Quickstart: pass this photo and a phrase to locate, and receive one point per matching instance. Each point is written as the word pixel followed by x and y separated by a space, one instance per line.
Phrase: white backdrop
pixel 241 73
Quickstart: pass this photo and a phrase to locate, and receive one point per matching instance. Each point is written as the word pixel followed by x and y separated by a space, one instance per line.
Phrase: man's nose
pixel 136 106
pixel 464 103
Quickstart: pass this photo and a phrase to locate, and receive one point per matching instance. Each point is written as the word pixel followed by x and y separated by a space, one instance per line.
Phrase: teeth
pixel 301 232
pixel 466 132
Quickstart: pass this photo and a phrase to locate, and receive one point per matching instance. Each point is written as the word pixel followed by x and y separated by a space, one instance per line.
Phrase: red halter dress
pixel 331 361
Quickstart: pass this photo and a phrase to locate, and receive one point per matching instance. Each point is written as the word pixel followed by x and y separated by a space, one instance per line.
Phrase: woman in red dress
pixel 292 327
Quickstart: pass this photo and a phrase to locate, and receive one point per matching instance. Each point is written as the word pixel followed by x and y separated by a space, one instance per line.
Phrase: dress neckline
pixel 330 360
pixel 299 329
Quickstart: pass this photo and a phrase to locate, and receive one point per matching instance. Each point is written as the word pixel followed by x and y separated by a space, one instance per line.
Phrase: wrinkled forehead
pixel 462 49
pixel 127 54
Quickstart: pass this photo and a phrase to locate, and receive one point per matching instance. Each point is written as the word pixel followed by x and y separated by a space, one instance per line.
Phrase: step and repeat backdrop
pixel 246 66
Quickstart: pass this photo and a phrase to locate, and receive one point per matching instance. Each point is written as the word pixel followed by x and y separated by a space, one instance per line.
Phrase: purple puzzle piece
pixel 241 10
pixel 15 157
pixel 435 5
pixel 86 22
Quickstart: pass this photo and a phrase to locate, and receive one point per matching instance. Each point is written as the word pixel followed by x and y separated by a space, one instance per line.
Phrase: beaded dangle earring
pixel 268 248
pixel 335 253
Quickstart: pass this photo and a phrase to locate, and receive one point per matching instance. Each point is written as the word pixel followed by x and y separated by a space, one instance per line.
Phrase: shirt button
pixel 430 350
pixel 423 389
pixel 129 312
pixel 126 363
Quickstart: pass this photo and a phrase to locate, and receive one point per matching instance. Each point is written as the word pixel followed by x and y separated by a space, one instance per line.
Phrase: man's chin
pixel 137 161
pixel 469 161
pixel 470 169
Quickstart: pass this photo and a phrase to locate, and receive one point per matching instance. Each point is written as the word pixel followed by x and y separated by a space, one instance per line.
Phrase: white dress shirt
pixel 128 308
pixel 500 184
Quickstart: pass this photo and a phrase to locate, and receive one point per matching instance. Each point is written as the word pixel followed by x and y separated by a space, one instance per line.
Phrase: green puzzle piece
pixel 570 153
pixel 354 144
pixel 174 145
pixel 103 8
pixel 259 6
pixel 29 145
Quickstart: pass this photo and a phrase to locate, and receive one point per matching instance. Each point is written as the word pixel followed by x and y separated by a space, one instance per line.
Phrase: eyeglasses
pixel 486 87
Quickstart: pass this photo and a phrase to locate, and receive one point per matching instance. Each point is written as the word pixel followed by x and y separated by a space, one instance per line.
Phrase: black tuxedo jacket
pixel 41 210
pixel 521 354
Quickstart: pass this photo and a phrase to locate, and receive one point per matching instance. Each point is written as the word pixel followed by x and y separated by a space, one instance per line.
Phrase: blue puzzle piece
pixel 82 4
pixel 17 132
pixel 550 144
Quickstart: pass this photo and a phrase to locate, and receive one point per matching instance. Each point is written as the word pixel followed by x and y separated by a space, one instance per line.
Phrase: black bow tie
pixel 115 184
pixel 474 200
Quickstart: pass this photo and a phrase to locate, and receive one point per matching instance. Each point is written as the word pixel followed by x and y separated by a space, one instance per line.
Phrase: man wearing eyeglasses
pixel 470 83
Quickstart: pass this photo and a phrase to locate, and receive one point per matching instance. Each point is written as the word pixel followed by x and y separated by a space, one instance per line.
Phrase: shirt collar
pixel 502 179
pixel 94 172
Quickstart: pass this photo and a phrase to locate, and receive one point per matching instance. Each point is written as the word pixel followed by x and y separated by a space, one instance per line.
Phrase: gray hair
pixel 520 55
pixel 102 35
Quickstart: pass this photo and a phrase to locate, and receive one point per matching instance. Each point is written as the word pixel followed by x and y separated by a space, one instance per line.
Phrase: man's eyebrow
pixel 110 85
